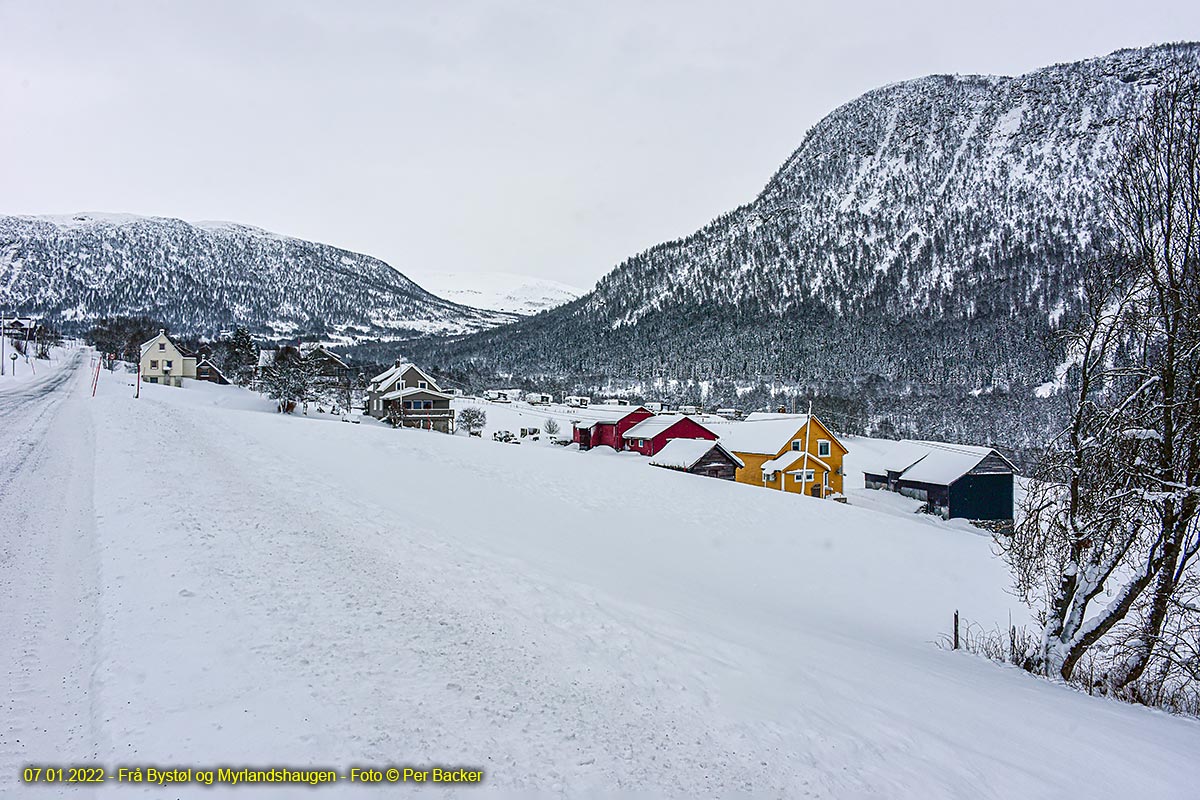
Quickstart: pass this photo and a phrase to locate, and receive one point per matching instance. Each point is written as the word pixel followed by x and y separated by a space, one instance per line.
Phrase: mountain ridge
pixel 206 276
pixel 924 239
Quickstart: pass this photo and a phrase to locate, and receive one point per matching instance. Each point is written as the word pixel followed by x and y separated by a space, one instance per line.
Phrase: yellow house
pixel 163 362
pixel 789 452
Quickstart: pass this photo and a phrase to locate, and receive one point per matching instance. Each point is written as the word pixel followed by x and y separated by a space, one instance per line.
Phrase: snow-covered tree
pixel 289 379
pixel 1107 546
pixel 240 356
pixel 473 419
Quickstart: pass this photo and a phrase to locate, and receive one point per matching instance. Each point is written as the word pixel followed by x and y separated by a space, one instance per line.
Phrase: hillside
pixel 204 277
pixel 363 596
pixel 909 264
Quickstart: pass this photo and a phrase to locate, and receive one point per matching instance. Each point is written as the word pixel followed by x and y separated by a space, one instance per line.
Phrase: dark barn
pixel 958 481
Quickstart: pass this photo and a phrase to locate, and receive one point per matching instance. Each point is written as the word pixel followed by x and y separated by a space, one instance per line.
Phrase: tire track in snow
pixel 47 575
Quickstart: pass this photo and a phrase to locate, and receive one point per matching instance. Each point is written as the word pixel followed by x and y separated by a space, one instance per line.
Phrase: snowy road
pixel 254 589
pixel 47 571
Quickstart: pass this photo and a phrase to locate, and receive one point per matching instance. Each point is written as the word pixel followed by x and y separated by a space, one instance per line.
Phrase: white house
pixel 163 362
pixel 408 395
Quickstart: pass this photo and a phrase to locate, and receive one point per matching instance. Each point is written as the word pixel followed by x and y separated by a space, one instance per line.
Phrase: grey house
pixel 407 396
pixel 956 480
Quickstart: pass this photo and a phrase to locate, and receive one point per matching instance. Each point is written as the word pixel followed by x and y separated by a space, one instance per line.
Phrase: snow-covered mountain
pixel 499 291
pixel 924 241
pixel 202 277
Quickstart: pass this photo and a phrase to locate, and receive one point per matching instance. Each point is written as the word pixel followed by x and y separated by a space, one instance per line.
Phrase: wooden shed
pixel 699 457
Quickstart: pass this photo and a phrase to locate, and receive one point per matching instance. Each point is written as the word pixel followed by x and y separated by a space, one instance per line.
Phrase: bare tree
pixel 1108 540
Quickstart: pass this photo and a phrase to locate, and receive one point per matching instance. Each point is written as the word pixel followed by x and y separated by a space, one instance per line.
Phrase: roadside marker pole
pixel 96 378
pixel 138 391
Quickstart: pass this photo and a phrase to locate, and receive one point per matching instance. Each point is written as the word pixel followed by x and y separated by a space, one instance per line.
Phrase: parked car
pixel 577 401
pixel 506 437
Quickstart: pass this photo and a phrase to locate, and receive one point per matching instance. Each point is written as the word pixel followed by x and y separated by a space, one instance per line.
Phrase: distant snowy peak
pixel 208 276
pixel 500 291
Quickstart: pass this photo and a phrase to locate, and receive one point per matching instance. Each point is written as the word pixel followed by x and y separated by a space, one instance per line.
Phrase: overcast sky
pixel 545 138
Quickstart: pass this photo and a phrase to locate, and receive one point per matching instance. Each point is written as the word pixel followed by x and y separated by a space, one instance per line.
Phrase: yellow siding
pixel 751 473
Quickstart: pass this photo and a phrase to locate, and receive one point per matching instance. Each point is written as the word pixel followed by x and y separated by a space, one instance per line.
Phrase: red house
pixel 610 428
pixel 651 435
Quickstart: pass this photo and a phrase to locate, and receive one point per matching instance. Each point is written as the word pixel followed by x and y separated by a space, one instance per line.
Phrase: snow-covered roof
pixel 389 373
pixel 595 415
pixel 762 436
pixel 684 453
pixel 308 348
pixel 938 463
pixel 653 426
pixel 402 393
pixel 146 345
pixel 759 416
pixel 945 463
pixel 395 372
pixel 791 458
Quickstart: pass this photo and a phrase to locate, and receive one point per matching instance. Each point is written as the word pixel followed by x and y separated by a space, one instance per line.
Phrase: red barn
pixel 607 426
pixel 651 435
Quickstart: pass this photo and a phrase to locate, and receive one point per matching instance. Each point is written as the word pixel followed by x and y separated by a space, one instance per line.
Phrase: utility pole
pixel 807 428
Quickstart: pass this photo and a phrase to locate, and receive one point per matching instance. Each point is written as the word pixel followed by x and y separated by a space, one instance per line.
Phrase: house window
pixel 796 445
pixel 823 448
pixel 152 380
pixel 429 404
pixel 162 345
pixel 422 385
pixel 641 442
pixel 166 364
pixel 408 405
pixel 153 363
pixel 803 475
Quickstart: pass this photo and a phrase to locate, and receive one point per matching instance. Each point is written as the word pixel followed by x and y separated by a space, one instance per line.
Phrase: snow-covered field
pixel 499 291
pixel 191 579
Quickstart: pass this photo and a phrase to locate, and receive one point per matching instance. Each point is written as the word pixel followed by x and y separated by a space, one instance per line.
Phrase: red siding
pixel 683 429
pixel 612 434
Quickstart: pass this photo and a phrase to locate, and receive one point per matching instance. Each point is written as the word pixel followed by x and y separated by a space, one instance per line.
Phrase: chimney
pixel 397 362
pixel 162 331
pixel 783 409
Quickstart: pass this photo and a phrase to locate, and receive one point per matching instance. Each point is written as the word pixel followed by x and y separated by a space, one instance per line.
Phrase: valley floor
pixel 190 579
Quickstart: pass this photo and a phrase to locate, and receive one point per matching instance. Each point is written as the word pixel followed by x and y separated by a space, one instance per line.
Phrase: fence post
pixel 956 629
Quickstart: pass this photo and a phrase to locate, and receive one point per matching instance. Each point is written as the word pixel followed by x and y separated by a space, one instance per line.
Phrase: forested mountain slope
pixel 910 262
